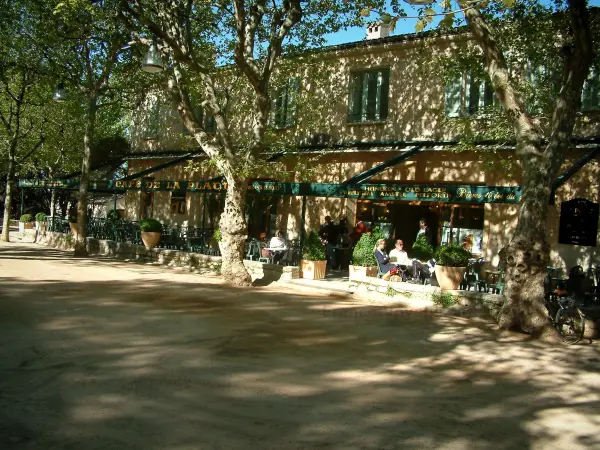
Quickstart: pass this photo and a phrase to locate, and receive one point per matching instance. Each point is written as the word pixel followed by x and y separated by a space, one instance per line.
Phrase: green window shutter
pixel 589 93
pixel 384 94
pixel 453 97
pixel 292 94
pixel 364 100
pixel 355 97
pixel 373 84
pixel 210 126
pixel 472 93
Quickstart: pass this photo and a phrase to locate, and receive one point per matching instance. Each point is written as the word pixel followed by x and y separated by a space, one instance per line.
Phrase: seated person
pixel 422 270
pixel 383 259
pixel 278 241
pixel 400 257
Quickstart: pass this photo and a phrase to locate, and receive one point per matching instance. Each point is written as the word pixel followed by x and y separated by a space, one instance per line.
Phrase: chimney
pixel 377 30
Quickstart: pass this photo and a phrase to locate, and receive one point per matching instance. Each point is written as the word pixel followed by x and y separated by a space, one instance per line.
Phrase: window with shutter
pixel 368 95
pixel 283 104
pixel 152 122
pixel 466 95
pixel 590 95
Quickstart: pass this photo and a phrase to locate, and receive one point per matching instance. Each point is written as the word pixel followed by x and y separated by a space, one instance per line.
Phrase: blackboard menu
pixel 579 222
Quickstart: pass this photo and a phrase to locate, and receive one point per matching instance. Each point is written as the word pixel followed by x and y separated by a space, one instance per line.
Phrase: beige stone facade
pixel 416 112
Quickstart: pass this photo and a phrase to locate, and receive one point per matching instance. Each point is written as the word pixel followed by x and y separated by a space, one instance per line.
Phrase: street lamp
pixel 60 95
pixel 152 61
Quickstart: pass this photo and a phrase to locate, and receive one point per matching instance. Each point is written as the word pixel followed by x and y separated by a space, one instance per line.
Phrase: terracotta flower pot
pixel 313 270
pixel 150 239
pixel 361 272
pixel 449 278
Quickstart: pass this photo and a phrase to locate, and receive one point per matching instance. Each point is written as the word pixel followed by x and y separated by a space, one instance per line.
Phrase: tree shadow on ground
pixel 156 364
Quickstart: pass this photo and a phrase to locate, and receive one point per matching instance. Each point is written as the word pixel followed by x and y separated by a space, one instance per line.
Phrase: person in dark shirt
pixel 329 235
pixel 423 232
pixel 382 257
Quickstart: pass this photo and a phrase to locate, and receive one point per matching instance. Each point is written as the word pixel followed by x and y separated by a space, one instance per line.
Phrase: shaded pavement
pixel 99 354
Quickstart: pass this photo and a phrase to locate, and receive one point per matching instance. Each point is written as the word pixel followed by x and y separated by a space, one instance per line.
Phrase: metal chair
pixel 473 277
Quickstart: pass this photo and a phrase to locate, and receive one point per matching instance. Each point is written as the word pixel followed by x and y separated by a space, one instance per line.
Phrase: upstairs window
pixel 368 99
pixel 590 95
pixel 151 122
pixel 468 96
pixel 205 119
pixel 283 105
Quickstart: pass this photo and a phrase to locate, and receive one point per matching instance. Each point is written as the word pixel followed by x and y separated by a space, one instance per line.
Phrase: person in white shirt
pixel 399 256
pixel 277 241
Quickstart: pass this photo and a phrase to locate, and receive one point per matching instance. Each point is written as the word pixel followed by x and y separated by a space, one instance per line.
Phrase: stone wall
pixel 196 262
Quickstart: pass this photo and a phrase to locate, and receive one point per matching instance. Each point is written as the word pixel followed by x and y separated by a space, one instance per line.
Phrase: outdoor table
pixel 284 250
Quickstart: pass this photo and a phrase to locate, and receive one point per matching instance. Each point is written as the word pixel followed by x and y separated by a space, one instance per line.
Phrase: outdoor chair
pixel 264 259
pixel 497 286
pixel 473 276
pixel 253 250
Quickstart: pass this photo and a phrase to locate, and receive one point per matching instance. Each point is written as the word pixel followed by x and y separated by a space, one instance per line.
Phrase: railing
pixel 188 239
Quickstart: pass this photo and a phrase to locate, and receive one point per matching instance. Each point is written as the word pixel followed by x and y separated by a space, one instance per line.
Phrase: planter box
pixel 449 278
pixel 313 270
pixel 25 226
pixel 150 239
pixel 361 272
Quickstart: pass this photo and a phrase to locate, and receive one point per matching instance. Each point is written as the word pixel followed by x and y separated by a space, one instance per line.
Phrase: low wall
pixel 420 296
pixel 196 262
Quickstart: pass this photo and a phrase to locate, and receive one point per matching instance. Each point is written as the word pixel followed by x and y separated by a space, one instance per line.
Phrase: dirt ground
pixel 97 354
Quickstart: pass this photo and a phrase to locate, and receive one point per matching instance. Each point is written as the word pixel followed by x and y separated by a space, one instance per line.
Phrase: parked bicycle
pixel 563 310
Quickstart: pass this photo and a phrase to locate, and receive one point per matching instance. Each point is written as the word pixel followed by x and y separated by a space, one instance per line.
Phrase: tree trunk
pixel 80 241
pixel 10 182
pixel 234 232
pixel 527 255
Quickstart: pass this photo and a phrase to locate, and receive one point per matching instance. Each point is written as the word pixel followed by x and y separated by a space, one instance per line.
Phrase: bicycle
pixel 564 314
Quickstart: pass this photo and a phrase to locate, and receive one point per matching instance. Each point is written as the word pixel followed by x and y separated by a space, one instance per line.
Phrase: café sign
pixel 406 192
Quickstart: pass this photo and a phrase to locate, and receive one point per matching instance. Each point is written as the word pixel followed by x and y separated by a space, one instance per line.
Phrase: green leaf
pixel 386 19
pixel 508 3
pixel 365 12
pixel 429 12
pixel 420 25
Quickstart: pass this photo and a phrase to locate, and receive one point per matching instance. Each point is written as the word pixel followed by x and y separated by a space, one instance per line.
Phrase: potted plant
pixel 422 250
pixel 40 221
pixel 313 262
pixel 25 222
pixel 151 230
pixel 364 263
pixel 214 244
pixel 451 263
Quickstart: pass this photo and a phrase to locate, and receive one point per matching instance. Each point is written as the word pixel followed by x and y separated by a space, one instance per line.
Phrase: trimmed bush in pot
pixel 25 222
pixel 40 221
pixel 422 250
pixel 151 230
pixel 364 263
pixel 451 263
pixel 314 262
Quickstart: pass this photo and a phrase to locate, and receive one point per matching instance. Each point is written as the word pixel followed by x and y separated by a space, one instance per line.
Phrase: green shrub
pixel 445 299
pixel 26 218
pixel 112 215
pixel 422 250
pixel 40 217
pixel 364 251
pixel 313 248
pixel 452 255
pixel 217 235
pixel 150 226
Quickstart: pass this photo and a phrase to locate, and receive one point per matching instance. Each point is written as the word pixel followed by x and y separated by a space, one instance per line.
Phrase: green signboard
pixel 447 193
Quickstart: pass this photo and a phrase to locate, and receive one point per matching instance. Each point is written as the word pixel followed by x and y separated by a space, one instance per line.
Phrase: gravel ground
pixel 98 354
